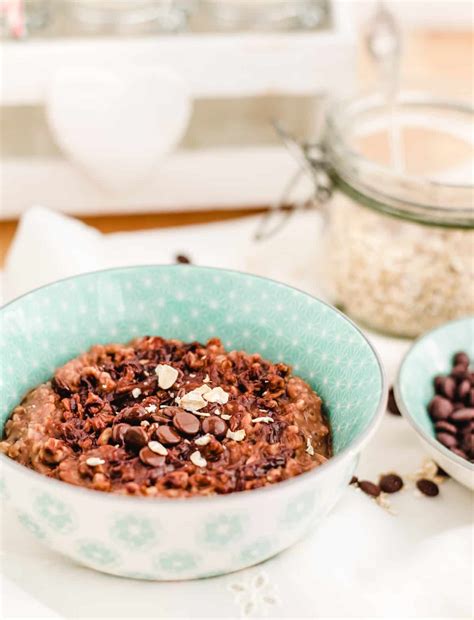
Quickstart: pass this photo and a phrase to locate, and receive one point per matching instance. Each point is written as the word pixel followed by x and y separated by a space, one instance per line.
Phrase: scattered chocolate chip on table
pixel 427 487
pixel 370 488
pixel 392 406
pixel 390 483
pixel 183 259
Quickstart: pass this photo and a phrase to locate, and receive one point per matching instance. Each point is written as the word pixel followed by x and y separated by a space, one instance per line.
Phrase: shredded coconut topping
pixel 265 418
pixel 217 395
pixel 198 459
pixel 94 461
pixel 192 401
pixel 136 392
pixel 309 446
pixel 236 435
pixel 203 441
pixel 157 448
pixel 167 376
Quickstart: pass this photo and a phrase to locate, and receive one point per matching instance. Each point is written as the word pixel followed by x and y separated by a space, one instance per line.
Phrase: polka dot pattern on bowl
pixel 43 330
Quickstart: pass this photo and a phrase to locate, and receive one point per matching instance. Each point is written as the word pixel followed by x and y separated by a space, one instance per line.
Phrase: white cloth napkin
pixel 49 246
pixel 361 561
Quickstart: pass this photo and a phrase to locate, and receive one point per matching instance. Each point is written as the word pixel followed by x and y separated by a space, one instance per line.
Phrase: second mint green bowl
pixel 167 539
pixel 429 356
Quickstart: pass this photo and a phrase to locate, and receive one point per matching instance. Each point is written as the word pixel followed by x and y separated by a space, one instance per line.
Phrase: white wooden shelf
pixel 212 66
pixel 218 178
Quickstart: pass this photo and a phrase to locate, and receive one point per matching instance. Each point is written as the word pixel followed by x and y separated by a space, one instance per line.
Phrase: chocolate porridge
pixel 161 417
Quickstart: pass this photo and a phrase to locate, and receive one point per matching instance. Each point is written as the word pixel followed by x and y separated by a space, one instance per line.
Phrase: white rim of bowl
pixel 406 412
pixel 351 451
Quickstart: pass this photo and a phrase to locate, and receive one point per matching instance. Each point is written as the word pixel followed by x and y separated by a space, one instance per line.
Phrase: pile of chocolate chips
pixel 452 409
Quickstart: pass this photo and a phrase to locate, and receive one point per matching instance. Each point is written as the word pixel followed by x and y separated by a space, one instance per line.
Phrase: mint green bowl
pixel 429 356
pixel 197 537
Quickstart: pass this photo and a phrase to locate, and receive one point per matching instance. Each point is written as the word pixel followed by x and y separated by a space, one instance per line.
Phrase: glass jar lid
pixel 413 158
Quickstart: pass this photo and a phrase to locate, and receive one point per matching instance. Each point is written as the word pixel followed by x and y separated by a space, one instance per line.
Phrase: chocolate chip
pixel 440 472
pixel 468 444
pixel 147 457
pixel 160 419
pixel 440 408
pixel 438 383
pixel 186 423
pixel 459 452
pixel 215 426
pixel 464 389
pixel 370 488
pixel 168 412
pixel 445 386
pixel 118 433
pixel 463 415
pixel 183 259
pixel 135 437
pixel 167 436
pixel 447 440
pixel 461 359
pixel 449 387
pixel 471 398
pixel 354 480
pixel 428 487
pixel 392 406
pixel 446 427
pixel 133 415
pixel 391 483
pixel 460 372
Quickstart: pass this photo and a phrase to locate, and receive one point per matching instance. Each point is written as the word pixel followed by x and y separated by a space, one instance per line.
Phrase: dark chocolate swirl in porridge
pixel 161 417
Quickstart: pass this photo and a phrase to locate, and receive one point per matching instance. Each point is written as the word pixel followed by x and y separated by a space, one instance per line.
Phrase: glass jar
pixel 398 241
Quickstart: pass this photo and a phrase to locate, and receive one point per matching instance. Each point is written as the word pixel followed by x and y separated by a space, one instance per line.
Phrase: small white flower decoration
pixel 255 595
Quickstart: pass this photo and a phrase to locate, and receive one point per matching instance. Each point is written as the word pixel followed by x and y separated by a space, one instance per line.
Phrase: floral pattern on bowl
pixel 134 532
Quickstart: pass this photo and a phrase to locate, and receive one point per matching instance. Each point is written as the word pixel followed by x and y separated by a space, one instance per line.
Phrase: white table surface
pixel 361 562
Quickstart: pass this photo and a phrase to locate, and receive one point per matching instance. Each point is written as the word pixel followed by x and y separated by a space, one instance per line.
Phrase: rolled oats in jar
pixel 398 248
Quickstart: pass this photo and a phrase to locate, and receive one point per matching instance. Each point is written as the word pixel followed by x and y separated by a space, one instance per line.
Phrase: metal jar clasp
pixel 313 162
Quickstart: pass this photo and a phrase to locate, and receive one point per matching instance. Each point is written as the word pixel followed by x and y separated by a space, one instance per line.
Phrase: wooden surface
pixel 442 61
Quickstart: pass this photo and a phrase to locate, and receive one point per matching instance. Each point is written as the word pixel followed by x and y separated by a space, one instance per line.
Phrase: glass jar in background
pixel 398 243
pixel 130 16
pixel 265 15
